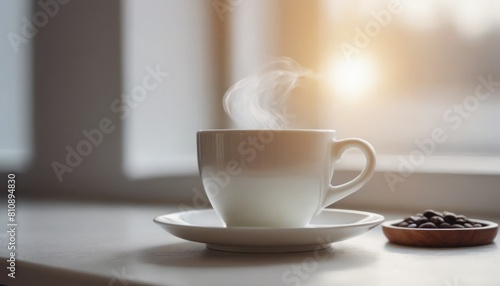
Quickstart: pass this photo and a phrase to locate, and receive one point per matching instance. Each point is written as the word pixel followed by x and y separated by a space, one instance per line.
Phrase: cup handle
pixel 336 193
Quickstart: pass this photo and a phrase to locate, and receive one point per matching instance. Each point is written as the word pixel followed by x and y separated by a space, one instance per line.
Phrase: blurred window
pixel 178 41
pixel 15 84
pixel 415 77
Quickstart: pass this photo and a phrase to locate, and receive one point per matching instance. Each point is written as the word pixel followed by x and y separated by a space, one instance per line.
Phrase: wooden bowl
pixel 447 237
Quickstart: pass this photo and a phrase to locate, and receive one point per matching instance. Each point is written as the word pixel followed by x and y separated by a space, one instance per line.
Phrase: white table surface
pixel 61 243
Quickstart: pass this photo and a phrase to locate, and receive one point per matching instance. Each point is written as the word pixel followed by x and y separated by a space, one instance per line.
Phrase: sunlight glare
pixel 353 79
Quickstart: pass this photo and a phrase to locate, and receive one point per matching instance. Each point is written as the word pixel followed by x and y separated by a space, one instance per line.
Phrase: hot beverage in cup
pixel 275 178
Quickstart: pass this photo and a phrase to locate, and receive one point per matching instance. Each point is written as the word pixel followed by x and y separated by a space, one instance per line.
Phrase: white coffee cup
pixel 274 178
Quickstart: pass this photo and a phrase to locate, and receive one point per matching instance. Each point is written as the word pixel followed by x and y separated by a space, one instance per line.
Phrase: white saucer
pixel 331 225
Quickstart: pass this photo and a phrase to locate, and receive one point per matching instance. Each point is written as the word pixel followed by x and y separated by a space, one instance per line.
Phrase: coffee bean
pixel 403 224
pixel 437 220
pixel 449 218
pixel 430 213
pixel 409 220
pixel 427 225
pixel 449 215
pixel 434 219
pixel 416 217
pixel 444 225
pixel 422 220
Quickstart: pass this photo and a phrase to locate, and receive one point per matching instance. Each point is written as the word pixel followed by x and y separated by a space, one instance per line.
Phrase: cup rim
pixel 230 130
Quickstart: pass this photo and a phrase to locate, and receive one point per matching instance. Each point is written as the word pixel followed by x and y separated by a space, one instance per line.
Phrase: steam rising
pixel 258 101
